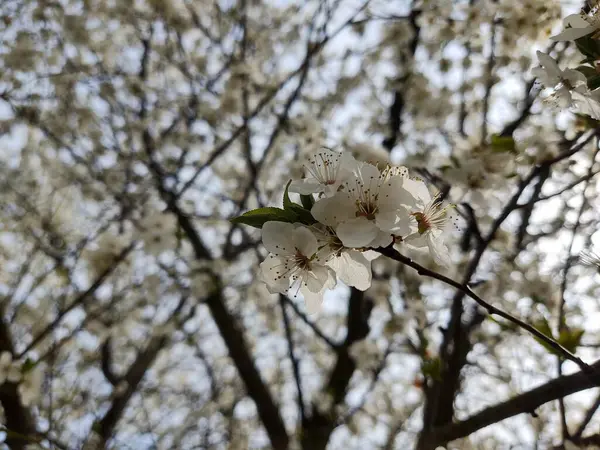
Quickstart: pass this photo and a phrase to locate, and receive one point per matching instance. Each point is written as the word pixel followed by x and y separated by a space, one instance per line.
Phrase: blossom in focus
pixel 369 208
pixel 293 263
pixel 579 25
pixel 564 82
pixel 327 170
pixel 351 266
pixel 429 222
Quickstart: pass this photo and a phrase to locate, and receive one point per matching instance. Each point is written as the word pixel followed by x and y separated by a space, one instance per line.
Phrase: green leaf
pixel 588 71
pixel 302 215
pixel 594 82
pixel 307 201
pixel 503 144
pixel 287 203
pixel 257 217
pixel 543 327
pixel 588 46
pixel 570 339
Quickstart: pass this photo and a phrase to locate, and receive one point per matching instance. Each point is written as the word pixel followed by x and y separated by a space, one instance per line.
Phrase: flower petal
pixel 357 232
pixel 305 241
pixel 353 269
pixel 394 195
pixel 277 237
pixel 368 173
pixel 571 34
pixel 313 301
pixel 575 21
pixel 306 186
pixel 418 190
pixel 396 222
pixel 272 274
pixel 316 278
pixel 333 210
pixel 438 249
pixel 383 239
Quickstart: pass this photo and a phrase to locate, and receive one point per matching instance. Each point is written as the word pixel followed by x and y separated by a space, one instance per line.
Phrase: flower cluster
pixel 358 207
pixel 576 88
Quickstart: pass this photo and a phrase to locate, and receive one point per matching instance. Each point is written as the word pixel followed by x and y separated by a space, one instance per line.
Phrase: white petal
pixel 419 190
pixel 357 232
pixel 396 222
pixel 546 79
pixel 313 301
pixel 347 163
pixel 574 77
pixel 277 237
pixel 586 105
pixel 316 279
pixel 575 21
pixel 438 250
pixel 367 172
pixel 383 239
pixel 14 374
pixel 271 272
pixel 305 241
pixel 416 240
pixel 353 269
pixel 571 34
pixel 393 194
pixel 333 210
pixel 371 255
pixel 306 186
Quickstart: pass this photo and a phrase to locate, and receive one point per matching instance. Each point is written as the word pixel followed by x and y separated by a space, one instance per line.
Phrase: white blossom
pixel 327 169
pixel 351 266
pixel 369 208
pixel 429 222
pixel 563 82
pixel 579 25
pixel 293 263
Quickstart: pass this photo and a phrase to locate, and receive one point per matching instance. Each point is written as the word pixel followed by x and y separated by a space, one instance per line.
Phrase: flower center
pixel 366 209
pixel 324 168
pixel 433 216
pixel 301 261
pixel 423 223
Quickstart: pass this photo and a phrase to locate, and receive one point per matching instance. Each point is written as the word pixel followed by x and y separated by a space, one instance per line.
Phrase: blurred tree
pixel 131 312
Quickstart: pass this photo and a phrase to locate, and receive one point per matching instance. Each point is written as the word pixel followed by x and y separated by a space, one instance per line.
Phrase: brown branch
pixel 292 356
pixel 527 402
pixel 19 420
pixel 318 427
pixel 133 377
pixel 81 298
pixel 397 107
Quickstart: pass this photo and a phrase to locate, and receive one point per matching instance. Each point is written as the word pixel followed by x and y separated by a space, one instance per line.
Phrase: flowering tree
pixel 341 224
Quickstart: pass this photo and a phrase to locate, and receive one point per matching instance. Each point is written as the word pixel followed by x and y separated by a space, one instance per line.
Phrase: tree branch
pixel 390 252
pixel 523 403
